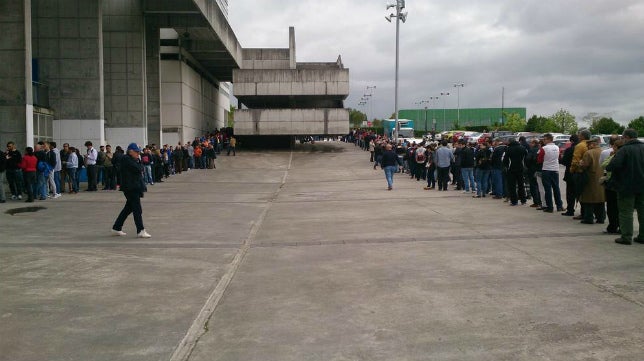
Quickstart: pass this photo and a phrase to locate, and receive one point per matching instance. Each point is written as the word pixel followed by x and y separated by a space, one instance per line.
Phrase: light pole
pixel 433 112
pixel 444 95
pixel 400 16
pixel 371 90
pixel 458 87
pixel 367 98
pixel 421 104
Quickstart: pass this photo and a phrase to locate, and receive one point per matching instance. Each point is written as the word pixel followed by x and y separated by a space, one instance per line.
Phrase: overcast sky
pixel 581 55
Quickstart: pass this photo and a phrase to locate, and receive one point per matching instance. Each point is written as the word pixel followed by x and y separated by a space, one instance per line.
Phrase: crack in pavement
pixel 199 326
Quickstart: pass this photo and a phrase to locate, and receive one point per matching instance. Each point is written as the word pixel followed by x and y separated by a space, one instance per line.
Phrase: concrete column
pixel 124 71
pixel 67 46
pixel 153 82
pixel 16 109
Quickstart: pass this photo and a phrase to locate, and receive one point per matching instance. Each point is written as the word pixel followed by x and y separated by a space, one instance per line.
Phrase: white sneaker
pixel 57 195
pixel 20 197
pixel 14 198
pixel 143 234
pixel 118 233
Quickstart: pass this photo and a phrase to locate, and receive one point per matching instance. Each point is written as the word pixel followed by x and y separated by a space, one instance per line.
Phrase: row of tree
pixel 564 122
pixel 560 122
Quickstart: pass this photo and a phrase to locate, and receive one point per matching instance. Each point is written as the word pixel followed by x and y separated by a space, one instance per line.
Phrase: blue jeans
pixel 57 181
pixel 389 174
pixel 497 182
pixel 482 176
pixel 41 187
pixel 550 181
pixel 148 174
pixel 73 177
pixel 468 179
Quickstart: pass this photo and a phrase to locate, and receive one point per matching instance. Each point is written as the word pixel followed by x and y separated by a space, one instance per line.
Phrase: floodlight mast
pixel 400 16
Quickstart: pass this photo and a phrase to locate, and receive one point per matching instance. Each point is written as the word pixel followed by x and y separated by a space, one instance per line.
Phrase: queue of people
pixel 601 185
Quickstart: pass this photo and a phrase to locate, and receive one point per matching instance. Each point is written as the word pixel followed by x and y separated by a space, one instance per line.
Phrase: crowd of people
pixel 47 172
pixel 603 184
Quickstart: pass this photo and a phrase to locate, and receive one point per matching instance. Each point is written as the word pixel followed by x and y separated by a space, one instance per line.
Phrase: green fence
pixel 445 119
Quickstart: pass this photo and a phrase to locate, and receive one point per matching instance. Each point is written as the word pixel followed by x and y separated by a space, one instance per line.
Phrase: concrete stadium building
pixel 149 71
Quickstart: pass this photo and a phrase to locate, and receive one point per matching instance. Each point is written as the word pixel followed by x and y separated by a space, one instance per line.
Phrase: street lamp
pixel 444 95
pixel 421 104
pixel 367 98
pixel 400 16
pixel 371 91
pixel 433 112
pixel 458 87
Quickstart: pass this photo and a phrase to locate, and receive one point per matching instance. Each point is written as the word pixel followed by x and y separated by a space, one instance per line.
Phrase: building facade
pixel 77 70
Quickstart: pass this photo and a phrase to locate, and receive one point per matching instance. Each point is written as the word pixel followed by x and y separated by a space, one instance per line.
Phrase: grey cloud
pixel 583 55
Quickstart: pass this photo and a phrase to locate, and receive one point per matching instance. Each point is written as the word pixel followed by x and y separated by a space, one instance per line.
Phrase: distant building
pixel 446 119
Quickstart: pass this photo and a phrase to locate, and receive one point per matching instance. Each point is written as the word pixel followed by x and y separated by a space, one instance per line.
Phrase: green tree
pixel 515 123
pixel 356 118
pixel 565 122
pixel 377 123
pixel 230 122
pixel 606 126
pixel 638 124
pixel 540 124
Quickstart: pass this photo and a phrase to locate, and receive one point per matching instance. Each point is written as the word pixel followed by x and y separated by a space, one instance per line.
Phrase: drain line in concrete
pixel 199 325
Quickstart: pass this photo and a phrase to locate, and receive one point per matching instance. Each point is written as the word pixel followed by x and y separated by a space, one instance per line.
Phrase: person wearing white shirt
pixel 90 164
pixel 549 157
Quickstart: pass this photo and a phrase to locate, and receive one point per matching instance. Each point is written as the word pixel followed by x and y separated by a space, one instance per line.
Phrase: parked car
pixel 563 145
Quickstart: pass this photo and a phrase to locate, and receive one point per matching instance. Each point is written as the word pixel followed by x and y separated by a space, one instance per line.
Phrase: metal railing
pixel 41 94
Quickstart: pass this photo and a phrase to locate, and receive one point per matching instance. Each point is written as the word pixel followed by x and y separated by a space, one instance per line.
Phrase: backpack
pixel 44 168
pixel 420 157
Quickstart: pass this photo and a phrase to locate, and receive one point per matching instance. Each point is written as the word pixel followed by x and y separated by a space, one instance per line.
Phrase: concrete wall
pixel 67 45
pixel 291 121
pixel 291 82
pixel 16 109
pixel 77 131
pixel 190 105
pixel 124 68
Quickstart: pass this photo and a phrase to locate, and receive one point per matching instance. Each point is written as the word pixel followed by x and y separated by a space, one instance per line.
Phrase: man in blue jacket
pixel 132 187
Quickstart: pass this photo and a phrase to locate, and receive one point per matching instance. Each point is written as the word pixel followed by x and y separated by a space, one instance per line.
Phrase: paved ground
pixel 306 256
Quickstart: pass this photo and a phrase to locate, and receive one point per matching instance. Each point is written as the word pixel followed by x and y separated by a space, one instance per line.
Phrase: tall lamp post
pixel 444 95
pixel 371 90
pixel 458 87
pixel 400 16
pixel 425 102
pixel 433 112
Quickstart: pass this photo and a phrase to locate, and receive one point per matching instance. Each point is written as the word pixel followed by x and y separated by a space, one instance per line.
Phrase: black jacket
pixel 514 157
pixel 13 163
pixel 627 167
pixel 497 156
pixel 389 158
pixel 3 162
pixel 467 157
pixel 483 159
pixel 131 175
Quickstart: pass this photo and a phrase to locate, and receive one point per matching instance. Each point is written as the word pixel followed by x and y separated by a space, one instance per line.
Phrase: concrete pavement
pixel 314 260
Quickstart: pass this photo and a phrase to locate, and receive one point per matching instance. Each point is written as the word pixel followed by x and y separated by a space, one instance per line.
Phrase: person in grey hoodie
pixel 444 158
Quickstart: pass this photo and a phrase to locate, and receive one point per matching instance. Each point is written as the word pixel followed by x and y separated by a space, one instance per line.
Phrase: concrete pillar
pixel 291 47
pixel 67 46
pixel 153 82
pixel 124 71
pixel 16 109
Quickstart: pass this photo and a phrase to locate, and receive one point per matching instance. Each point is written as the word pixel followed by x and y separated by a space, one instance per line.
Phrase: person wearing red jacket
pixel 28 164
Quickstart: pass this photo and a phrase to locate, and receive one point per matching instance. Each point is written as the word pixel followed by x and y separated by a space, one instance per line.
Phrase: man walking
pixel 627 167
pixel 132 188
pixel 390 163
pixel 549 158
